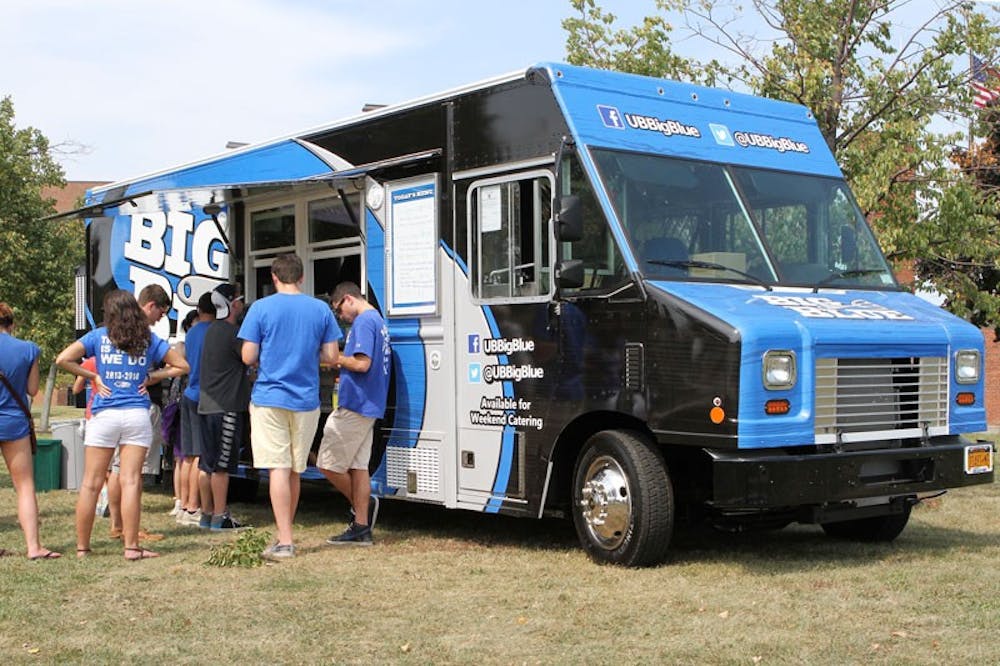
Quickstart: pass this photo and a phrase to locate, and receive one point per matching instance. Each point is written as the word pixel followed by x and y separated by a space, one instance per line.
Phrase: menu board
pixel 411 246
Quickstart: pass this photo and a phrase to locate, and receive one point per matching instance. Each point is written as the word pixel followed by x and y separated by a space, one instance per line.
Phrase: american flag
pixel 981 84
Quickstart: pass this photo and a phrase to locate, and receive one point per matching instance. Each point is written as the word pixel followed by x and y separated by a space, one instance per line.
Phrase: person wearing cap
pixel 287 335
pixel 222 406
pixel 192 436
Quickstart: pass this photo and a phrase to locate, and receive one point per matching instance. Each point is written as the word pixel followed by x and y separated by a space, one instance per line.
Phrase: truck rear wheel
pixel 879 528
pixel 623 502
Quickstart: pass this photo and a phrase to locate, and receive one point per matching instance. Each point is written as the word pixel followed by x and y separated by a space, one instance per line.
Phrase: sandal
pixel 143 554
pixel 82 552
pixel 47 555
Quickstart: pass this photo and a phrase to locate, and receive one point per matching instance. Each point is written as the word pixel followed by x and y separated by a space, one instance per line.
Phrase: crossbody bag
pixel 24 408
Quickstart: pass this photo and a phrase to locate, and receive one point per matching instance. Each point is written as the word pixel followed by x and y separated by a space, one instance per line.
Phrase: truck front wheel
pixel 879 528
pixel 623 503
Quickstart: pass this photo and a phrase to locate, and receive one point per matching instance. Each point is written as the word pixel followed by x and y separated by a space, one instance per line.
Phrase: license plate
pixel 979 459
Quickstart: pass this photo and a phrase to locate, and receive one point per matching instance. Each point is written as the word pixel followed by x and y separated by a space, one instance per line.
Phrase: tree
pixel 879 76
pixel 37 256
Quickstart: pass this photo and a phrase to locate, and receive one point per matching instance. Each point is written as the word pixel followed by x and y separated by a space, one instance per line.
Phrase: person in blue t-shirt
pixel 287 335
pixel 192 433
pixel 19 364
pixel 126 352
pixel 346 448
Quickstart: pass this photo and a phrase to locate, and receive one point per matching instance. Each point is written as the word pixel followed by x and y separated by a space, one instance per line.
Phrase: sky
pixel 138 86
pixel 144 85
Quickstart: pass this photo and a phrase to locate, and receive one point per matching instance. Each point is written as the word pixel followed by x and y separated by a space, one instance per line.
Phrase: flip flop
pixel 143 554
pixel 48 555
pixel 82 552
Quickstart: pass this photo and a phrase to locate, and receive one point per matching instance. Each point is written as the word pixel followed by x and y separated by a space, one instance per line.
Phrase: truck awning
pixel 228 193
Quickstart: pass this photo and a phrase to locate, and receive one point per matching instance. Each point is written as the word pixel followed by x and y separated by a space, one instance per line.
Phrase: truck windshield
pixel 698 221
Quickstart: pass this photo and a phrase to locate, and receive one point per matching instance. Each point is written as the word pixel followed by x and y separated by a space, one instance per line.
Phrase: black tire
pixel 242 490
pixel 623 501
pixel 877 529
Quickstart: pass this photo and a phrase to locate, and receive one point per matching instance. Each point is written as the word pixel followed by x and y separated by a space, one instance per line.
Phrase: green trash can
pixel 48 464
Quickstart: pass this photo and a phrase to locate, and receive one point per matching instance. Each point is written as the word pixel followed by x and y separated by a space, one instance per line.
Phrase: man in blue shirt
pixel 347 435
pixel 192 432
pixel 287 335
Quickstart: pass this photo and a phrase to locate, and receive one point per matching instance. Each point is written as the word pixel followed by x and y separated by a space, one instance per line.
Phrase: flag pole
pixel 965 14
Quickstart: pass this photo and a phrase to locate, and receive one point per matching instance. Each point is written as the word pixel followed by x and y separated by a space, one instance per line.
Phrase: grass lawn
pixel 456 587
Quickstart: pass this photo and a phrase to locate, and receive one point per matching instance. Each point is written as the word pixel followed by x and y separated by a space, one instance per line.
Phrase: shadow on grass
pixel 795 548
pixel 801 547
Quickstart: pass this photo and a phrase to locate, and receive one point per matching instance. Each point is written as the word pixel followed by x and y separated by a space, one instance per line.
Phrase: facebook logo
pixel 611 117
pixel 475 373
pixel 721 134
pixel 473 344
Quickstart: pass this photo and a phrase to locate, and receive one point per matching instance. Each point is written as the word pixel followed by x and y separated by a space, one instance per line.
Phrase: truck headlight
pixel 779 369
pixel 967 366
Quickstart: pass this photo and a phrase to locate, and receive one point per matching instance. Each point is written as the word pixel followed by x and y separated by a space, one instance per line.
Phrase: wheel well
pixel 568 445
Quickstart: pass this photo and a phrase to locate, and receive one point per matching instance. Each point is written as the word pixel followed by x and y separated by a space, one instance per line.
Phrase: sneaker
pixel 192 518
pixel 354 535
pixel 205 522
pixel 278 551
pixel 177 508
pixel 224 523
pixel 373 506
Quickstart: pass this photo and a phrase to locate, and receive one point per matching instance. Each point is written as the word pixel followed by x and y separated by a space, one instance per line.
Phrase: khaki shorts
pixel 281 438
pixel 347 441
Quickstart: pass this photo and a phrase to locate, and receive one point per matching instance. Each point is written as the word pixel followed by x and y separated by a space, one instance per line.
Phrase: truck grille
pixel 862 399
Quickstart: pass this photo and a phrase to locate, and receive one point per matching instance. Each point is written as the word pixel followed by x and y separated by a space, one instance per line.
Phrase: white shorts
pixel 110 427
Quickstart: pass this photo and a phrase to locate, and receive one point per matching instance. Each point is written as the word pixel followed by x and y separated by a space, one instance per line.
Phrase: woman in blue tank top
pixel 126 352
pixel 19 364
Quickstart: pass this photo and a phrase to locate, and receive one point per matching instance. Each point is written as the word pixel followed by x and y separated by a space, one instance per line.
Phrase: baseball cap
pixel 222 297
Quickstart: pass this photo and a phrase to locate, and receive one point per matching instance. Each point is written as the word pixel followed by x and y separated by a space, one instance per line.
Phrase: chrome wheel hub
pixel 606 502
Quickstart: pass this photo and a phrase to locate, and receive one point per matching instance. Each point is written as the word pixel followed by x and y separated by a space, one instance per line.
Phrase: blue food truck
pixel 618 299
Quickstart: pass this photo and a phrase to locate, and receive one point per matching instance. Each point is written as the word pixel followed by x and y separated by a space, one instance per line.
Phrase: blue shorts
pixel 192 435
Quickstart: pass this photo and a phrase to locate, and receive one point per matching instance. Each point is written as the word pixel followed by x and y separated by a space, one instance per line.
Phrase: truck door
pixel 502 291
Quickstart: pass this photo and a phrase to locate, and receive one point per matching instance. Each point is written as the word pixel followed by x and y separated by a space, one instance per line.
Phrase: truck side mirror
pixel 569 274
pixel 570 219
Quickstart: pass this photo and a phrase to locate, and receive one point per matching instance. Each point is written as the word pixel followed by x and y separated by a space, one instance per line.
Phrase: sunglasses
pixel 339 305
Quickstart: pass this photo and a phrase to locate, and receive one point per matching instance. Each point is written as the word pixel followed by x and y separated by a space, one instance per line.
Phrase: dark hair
pixel 6 316
pixel 189 320
pixel 128 328
pixel 156 294
pixel 287 268
pixel 345 289
pixel 205 304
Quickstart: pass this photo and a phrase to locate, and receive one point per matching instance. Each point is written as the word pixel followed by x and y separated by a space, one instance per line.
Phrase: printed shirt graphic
pixel 193 342
pixel 121 373
pixel 365 392
pixel 290 328
pixel 16 357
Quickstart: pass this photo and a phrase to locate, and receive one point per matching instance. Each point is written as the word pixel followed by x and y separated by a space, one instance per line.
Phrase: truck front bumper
pixel 762 479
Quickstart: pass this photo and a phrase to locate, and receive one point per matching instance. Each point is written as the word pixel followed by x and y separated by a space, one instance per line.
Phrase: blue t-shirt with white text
pixel 365 392
pixel 290 329
pixel 121 373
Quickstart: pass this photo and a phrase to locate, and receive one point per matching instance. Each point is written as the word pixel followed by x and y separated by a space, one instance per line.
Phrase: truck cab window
pixel 604 268
pixel 510 237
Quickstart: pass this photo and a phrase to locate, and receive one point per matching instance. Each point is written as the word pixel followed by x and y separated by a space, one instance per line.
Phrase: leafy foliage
pixel 244 552
pixel 875 73
pixel 37 257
